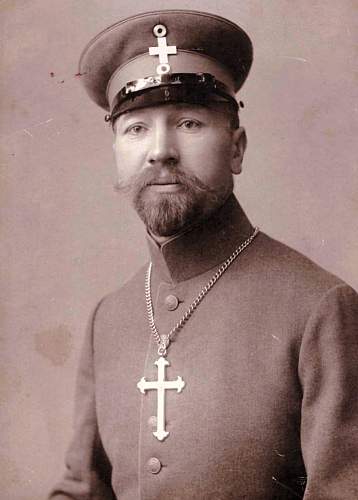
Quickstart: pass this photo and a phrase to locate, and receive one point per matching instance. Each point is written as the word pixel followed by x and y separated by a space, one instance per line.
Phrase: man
pixel 226 369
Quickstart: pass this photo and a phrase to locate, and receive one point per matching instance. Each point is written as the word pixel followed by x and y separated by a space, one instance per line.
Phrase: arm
pixel 88 471
pixel 328 371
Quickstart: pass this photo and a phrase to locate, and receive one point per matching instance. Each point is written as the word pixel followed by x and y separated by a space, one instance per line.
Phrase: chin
pixel 166 214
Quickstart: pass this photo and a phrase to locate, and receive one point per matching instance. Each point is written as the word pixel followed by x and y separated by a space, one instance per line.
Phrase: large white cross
pixel 161 385
pixel 163 50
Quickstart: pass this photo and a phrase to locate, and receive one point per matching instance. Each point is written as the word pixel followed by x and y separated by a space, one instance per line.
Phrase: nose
pixel 163 149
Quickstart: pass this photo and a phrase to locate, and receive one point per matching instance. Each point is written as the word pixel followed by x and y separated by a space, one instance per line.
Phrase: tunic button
pixel 154 465
pixel 171 302
pixel 152 421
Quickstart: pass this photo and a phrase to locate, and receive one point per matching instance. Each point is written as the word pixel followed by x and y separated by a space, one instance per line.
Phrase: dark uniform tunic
pixel 269 358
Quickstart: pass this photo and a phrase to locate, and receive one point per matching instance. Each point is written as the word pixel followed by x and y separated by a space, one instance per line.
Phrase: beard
pixel 168 213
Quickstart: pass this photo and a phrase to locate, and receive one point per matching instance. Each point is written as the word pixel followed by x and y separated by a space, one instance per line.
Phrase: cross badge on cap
pixel 162 50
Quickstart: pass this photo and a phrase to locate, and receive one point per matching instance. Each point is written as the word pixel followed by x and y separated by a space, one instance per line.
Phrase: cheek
pixel 210 160
pixel 128 158
pixel 120 163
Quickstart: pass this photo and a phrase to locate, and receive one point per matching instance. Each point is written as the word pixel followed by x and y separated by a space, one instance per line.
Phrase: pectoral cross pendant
pixel 161 385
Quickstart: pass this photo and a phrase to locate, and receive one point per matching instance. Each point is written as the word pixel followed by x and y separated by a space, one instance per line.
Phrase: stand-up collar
pixel 204 246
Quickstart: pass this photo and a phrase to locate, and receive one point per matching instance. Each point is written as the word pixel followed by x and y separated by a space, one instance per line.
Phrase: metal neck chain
pixel 163 341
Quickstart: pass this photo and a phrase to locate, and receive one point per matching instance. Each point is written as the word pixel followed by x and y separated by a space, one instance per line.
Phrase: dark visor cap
pixel 166 56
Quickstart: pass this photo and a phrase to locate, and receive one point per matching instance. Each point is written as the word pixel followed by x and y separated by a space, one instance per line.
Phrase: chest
pixel 235 355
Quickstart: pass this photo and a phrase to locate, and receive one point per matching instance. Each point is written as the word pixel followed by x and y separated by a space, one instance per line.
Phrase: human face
pixel 177 161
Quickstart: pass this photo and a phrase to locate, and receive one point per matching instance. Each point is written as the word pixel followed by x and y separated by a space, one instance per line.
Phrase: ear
pixel 239 147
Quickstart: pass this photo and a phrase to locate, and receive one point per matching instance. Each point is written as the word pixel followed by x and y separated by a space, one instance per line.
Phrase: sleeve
pixel 88 471
pixel 328 370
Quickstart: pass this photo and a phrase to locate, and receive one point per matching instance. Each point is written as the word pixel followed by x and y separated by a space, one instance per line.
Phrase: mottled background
pixel 68 238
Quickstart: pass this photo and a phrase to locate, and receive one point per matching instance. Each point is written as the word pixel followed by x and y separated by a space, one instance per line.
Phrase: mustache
pixel 161 175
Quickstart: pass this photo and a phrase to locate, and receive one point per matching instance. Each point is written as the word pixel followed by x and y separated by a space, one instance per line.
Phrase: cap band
pixel 195 88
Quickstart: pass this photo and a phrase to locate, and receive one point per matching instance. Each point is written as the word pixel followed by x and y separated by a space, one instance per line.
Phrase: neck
pixel 161 240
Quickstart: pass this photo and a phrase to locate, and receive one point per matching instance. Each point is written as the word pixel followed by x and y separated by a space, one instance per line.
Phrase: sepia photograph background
pixel 67 238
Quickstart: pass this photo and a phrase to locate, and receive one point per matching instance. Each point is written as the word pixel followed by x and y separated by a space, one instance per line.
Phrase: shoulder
pixel 283 279
pixel 279 263
pixel 124 297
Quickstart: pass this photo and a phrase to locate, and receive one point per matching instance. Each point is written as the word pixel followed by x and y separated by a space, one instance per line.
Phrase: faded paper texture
pixel 68 238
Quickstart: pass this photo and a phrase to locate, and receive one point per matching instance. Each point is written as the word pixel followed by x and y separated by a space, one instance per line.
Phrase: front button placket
pixel 152 421
pixel 171 302
pixel 154 465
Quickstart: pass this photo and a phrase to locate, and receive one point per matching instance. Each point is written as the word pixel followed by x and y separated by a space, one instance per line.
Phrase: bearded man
pixel 226 368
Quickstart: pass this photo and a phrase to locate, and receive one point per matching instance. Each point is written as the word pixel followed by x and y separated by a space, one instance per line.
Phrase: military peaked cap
pixel 164 56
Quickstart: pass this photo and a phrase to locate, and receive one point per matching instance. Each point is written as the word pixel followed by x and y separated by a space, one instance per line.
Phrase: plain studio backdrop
pixel 67 238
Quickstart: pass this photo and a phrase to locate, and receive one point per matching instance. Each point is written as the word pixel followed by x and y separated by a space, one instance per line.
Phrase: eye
pixel 135 129
pixel 189 124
